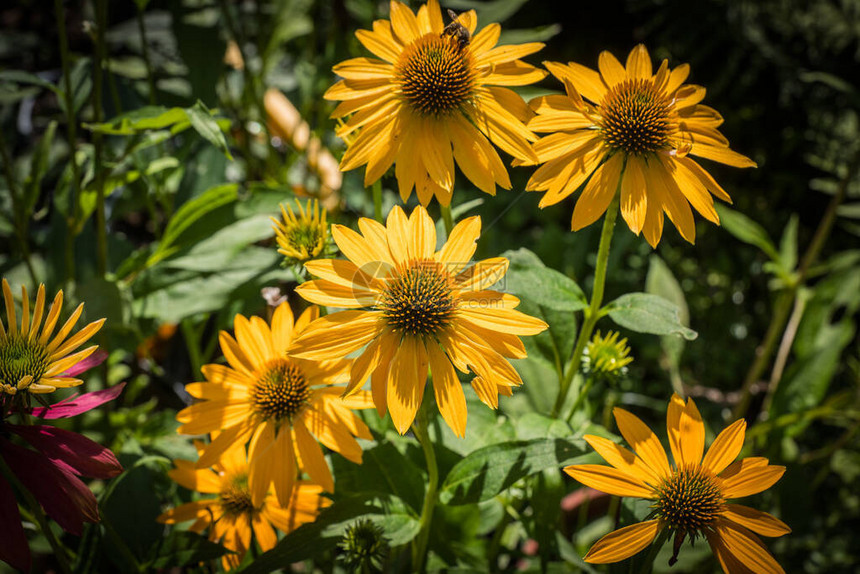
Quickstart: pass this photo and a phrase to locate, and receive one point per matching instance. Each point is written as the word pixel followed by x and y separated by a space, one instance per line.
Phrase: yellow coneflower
pixel 434 97
pixel 628 130
pixel 689 497
pixel 279 402
pixel 414 307
pixel 301 237
pixel 30 360
pixel 232 516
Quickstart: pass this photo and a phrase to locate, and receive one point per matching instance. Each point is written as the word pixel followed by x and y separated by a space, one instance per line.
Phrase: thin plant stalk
pixel 785 302
pixel 141 27
pixel 98 138
pixel 419 545
pixel 592 312
pixel 448 218
pixel 71 127
pixel 377 201
pixel 648 565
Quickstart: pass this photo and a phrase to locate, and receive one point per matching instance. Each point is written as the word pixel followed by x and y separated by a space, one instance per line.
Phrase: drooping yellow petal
pixel 747 548
pixel 623 543
pixel 447 390
pixel 313 460
pixel 406 380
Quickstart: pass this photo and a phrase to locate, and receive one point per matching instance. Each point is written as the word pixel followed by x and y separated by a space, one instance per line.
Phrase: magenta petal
pixel 76 452
pixel 94 360
pixel 63 496
pixel 14 549
pixel 79 404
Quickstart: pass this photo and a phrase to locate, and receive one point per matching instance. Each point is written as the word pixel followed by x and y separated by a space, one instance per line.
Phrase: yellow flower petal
pixel 747 548
pixel 726 447
pixel 406 380
pixel 622 459
pixel 643 441
pixel 759 522
pixel 623 543
pixel 609 480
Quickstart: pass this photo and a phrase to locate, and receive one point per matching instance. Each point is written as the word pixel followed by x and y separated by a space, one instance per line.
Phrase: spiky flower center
pixel 306 237
pixel 689 500
pixel 235 499
pixel 281 390
pixel 418 299
pixel 636 117
pixel 436 76
pixel 19 358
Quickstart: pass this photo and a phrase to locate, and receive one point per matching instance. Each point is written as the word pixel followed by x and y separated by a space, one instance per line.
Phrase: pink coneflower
pixel 50 471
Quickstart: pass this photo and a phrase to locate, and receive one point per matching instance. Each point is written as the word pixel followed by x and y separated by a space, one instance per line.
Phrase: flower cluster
pixel 409 308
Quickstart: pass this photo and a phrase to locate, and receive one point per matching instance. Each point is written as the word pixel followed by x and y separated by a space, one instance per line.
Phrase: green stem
pixel 377 201
pixel 19 218
pixel 71 127
pixel 141 27
pixel 448 218
pixel 192 342
pixel 648 564
pixel 419 546
pixel 592 312
pixel 41 519
pixel 785 302
pixel 98 139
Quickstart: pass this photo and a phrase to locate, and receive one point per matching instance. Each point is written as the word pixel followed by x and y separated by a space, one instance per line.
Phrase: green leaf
pixel 490 470
pixel 529 279
pixel 182 548
pixel 21 77
pixel 38 167
pixel 327 530
pixel 788 245
pixel 747 230
pixel 384 470
pixel 141 119
pixel 191 212
pixel 646 313
pixel 202 121
pixel 661 282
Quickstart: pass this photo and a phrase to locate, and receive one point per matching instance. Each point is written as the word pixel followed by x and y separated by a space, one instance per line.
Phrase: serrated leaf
pixel 490 470
pixel 645 313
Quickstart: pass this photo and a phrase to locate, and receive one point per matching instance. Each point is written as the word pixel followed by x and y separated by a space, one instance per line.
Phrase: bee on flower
pixel 435 94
